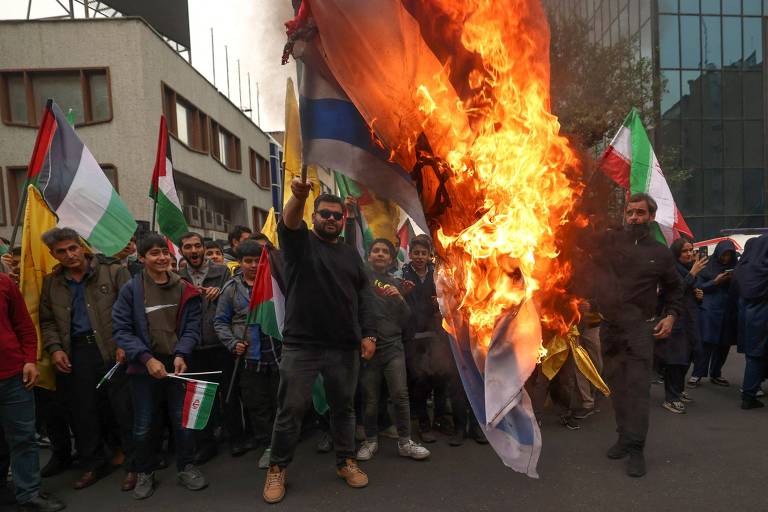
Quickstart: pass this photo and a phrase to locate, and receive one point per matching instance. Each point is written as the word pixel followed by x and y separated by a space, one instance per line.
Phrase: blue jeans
pixel 147 394
pixel 753 376
pixel 387 363
pixel 17 418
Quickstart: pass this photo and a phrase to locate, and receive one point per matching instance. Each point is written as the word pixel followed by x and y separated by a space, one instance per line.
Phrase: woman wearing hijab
pixel 714 348
pixel 675 351
pixel 751 282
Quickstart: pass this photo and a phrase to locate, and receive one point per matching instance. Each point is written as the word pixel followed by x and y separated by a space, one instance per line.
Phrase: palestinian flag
pixel 267 305
pixel 631 162
pixel 170 218
pixel 364 234
pixel 75 188
pixel 198 401
pixel 404 235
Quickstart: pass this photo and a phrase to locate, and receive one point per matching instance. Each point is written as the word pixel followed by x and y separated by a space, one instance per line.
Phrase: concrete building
pixel 118 75
pixel 710 54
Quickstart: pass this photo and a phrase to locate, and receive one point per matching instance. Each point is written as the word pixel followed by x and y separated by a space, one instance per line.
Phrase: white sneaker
pixel 412 450
pixel 367 450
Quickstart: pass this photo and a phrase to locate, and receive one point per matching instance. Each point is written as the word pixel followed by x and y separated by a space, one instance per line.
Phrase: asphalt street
pixel 714 458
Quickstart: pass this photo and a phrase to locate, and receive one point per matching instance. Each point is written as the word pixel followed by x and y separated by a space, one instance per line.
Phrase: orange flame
pixel 511 190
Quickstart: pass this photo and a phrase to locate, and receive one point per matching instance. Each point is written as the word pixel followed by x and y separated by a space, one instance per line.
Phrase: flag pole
pixel 232 380
pixel 304 173
pixel 154 213
pixel 19 213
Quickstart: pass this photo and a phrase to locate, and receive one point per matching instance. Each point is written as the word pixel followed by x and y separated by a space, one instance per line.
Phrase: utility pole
pixel 226 57
pixel 250 103
pixel 258 106
pixel 239 86
pixel 213 59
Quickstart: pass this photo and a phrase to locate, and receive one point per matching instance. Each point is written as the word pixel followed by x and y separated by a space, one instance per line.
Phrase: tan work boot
pixel 352 474
pixel 274 486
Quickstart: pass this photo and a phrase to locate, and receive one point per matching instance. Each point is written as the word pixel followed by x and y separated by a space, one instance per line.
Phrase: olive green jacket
pixel 103 283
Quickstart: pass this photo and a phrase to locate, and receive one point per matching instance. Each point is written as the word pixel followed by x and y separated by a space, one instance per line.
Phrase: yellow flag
pixel 292 154
pixel 557 353
pixel 36 262
pixel 270 228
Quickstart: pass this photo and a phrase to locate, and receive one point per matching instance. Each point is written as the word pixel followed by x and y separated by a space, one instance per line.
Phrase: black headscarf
pixel 714 267
pixel 752 272
pixel 677 250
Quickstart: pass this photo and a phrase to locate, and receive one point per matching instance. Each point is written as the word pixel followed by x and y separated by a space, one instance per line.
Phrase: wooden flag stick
pixel 304 173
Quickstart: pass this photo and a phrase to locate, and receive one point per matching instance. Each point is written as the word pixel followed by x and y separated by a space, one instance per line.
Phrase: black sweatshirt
pixel 328 296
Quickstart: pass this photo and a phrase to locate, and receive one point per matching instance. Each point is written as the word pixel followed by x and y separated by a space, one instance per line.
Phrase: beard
pixel 325 235
pixel 638 231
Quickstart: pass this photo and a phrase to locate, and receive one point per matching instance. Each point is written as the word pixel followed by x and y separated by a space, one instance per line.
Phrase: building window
pixel 259 218
pixel 85 93
pixel 225 147
pixel 110 171
pixel 185 121
pixel 259 167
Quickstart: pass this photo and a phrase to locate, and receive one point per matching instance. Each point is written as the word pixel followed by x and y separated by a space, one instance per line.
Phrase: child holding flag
pixel 156 320
pixel 256 345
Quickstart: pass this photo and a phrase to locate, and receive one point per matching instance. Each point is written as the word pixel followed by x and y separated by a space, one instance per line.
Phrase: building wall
pixel 139 61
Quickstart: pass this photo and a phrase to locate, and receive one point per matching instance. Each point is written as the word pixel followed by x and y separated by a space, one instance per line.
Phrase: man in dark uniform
pixel 634 267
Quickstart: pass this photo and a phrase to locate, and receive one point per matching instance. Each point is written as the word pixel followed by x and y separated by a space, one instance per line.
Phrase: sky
pixel 253 32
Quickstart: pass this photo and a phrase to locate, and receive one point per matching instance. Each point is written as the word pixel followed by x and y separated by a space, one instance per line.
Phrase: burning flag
pixel 458 92
pixel 631 162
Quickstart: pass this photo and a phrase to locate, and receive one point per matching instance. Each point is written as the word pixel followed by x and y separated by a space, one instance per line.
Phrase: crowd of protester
pixel 365 336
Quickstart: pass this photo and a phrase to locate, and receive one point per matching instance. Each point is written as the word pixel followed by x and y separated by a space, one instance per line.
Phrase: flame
pixel 512 189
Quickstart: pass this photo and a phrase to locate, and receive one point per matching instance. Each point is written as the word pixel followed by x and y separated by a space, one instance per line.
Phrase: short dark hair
pixel 212 244
pixel 56 235
pixel 421 240
pixel 16 251
pixel 390 246
pixel 328 198
pixel 642 196
pixel 190 234
pixel 237 233
pixel 248 248
pixel 150 241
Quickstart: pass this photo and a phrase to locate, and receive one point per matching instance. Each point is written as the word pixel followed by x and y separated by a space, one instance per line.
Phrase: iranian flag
pixel 631 162
pixel 75 187
pixel 198 401
pixel 170 218
pixel 267 305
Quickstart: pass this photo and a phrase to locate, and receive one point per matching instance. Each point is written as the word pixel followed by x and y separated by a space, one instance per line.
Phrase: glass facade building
pixel 710 117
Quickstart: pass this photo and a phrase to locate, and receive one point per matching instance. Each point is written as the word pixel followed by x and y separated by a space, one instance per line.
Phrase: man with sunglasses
pixel 329 323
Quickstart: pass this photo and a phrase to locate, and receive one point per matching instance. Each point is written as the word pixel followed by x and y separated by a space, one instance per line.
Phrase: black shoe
pixel 42 503
pixel 55 466
pixel 325 444
pixel 636 464
pixel 476 433
pixel 569 423
pixel 751 403
pixel 617 451
pixel 719 381
pixel 444 425
pixel 457 439
pixel 206 453
pixel 238 448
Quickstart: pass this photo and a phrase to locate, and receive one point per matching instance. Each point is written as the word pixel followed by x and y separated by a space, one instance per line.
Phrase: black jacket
pixel 217 277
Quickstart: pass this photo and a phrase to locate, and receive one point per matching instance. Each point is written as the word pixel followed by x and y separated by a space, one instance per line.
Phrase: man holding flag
pixel 157 321
pixel 76 323
pixel 329 324
pixel 256 343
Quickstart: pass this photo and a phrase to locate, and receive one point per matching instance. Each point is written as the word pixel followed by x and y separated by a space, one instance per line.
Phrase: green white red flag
pixel 198 402
pixel 404 235
pixel 631 162
pixel 170 217
pixel 267 305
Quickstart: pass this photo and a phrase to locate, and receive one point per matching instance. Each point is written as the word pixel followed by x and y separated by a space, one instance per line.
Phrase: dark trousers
pixel 299 368
pixel 229 414
pixel 17 419
pixel 55 417
pixel 627 361
pixel 389 363
pixel 754 373
pixel 147 394
pixel 674 381
pixel 97 414
pixel 259 386
pixel 428 361
pixel 709 360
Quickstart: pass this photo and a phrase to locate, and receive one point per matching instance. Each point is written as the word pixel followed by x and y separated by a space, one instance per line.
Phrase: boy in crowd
pixel 258 353
pixel 157 321
pixel 388 361
pixel 214 252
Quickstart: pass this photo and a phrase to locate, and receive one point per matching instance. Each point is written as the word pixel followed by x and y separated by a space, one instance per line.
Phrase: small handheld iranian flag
pixel 198 402
pixel 631 162
pixel 170 218
pixel 267 305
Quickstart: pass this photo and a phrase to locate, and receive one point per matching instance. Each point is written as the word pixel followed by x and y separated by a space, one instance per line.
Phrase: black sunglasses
pixel 327 214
